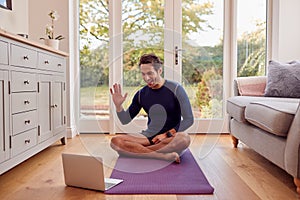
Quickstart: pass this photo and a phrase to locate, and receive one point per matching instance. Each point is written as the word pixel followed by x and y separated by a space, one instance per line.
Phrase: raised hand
pixel 117 96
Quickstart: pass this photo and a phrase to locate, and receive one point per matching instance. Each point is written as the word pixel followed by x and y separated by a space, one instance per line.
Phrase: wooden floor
pixel 236 174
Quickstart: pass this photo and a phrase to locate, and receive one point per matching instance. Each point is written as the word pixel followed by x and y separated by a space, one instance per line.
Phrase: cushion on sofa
pixel 251 86
pixel 236 105
pixel 283 79
pixel 273 117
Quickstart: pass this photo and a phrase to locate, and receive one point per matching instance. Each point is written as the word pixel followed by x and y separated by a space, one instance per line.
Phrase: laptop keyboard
pixel 108 185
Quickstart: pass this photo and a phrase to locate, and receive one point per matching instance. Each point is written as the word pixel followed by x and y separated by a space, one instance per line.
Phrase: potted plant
pixel 52 40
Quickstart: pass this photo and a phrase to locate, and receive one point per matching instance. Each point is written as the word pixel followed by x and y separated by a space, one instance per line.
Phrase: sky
pixel 248 12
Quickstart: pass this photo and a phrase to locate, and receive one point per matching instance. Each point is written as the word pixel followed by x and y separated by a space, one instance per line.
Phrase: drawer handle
pixel 46 61
pixel 59 65
pixel 26 102
pixel 26 57
pixel 54 106
pixel 26 82
pixel 27 141
pixel 27 121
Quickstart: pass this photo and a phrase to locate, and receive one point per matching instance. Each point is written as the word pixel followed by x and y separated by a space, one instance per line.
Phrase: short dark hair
pixel 151 58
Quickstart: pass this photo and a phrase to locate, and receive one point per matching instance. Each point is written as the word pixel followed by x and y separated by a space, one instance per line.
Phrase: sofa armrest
pixel 235 88
pixel 292 149
pixel 249 86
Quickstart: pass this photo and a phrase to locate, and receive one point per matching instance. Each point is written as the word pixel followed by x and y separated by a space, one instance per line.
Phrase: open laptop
pixel 86 171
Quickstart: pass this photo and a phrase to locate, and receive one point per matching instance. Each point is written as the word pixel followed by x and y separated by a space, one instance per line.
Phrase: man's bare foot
pixel 172 157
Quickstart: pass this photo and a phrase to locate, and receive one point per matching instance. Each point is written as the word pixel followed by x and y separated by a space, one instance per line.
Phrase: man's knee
pixel 183 140
pixel 180 142
pixel 116 142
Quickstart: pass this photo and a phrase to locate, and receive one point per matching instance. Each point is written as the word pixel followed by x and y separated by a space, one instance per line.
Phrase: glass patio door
pixel 195 59
pixel 143 31
pixel 186 34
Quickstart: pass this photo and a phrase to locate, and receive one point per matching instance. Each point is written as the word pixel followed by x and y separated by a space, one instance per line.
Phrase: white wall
pixel 15 20
pixel 289 30
pixel 38 19
pixel 31 17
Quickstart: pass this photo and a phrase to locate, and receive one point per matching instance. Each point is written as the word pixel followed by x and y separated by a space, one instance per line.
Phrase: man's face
pixel 150 75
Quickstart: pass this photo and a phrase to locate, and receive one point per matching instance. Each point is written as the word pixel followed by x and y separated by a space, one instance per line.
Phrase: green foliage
pixel 202 95
pixel 199 60
pixel 193 17
pixel 213 110
pixel 94 67
pixel 252 52
pixel 209 88
pixel 93 20
pixel 214 81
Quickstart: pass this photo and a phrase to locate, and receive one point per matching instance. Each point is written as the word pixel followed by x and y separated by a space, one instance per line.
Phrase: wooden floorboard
pixel 234 173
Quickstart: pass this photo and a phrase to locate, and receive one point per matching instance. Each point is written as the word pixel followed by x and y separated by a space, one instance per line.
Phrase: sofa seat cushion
pixel 236 105
pixel 271 116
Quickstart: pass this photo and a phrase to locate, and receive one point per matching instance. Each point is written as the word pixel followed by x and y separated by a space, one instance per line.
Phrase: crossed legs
pixel 139 146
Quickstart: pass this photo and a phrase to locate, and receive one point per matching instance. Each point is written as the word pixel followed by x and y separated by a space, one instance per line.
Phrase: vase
pixel 52 43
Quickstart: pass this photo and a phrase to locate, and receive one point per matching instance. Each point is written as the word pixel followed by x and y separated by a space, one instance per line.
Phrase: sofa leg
pixel 297 183
pixel 235 141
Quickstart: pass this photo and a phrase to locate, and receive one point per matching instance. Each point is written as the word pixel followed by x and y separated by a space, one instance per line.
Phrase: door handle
pixel 176 54
pixel 54 106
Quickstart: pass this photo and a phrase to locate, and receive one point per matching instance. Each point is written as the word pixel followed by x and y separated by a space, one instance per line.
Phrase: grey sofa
pixel 270 126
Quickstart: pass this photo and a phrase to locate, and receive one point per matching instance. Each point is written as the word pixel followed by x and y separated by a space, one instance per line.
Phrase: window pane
pixel 251 33
pixel 143 32
pixel 94 71
pixel 202 58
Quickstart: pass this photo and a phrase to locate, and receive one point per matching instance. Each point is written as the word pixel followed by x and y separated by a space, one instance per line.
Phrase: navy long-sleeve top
pixel 167 107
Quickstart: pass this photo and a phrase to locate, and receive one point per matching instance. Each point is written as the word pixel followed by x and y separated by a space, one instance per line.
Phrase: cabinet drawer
pixel 24 141
pixel 3 53
pixel 23 57
pixel 23 102
pixel 24 121
pixel 22 82
pixel 52 63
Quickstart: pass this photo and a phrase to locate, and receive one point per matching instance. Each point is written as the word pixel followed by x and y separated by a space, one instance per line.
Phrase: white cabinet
pixel 23 95
pixel 58 104
pixel 3 53
pixel 52 110
pixel 45 105
pixel 32 99
pixel 22 56
pixel 4 117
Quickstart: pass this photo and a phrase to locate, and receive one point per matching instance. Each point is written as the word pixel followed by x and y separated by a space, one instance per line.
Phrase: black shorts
pixel 148 136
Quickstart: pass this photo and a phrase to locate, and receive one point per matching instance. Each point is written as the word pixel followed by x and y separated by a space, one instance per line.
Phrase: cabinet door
pixel 3 53
pixel 4 116
pixel 58 99
pixel 44 107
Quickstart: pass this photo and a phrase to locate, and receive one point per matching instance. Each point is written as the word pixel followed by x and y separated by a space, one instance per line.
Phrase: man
pixel 169 114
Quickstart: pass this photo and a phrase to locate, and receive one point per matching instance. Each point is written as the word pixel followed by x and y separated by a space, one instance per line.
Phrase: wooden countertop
pixel 30 42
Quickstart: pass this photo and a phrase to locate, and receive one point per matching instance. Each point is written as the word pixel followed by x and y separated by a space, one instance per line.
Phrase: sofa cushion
pixel 236 105
pixel 271 116
pixel 251 86
pixel 283 79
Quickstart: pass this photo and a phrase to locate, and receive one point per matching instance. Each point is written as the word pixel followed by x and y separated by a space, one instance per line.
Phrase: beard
pixel 153 83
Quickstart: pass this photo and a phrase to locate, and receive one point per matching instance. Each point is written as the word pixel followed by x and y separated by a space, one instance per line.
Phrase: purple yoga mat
pixel 150 176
